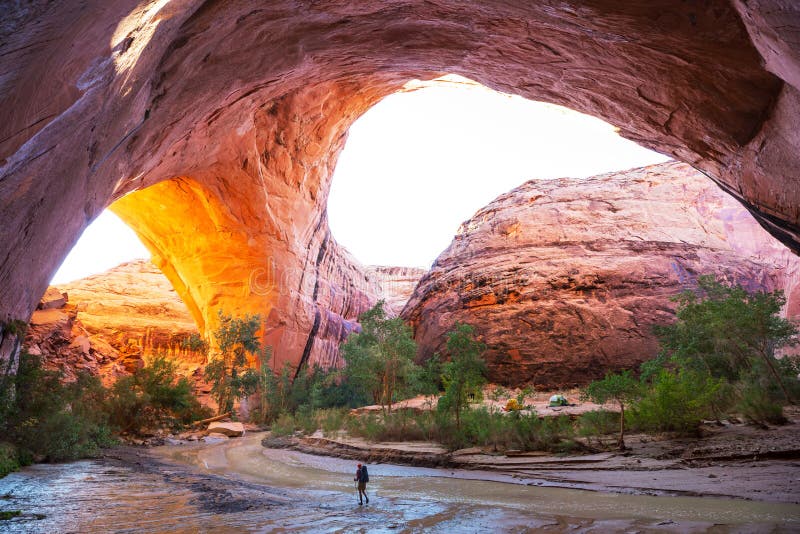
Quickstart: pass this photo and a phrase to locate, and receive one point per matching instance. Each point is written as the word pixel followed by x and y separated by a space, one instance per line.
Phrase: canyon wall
pixel 396 285
pixel 215 126
pixel 108 323
pixel 564 279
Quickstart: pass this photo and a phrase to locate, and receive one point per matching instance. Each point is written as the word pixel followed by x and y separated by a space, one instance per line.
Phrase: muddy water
pixel 238 486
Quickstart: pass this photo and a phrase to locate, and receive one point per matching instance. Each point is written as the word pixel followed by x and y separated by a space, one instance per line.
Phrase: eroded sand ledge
pixel 736 461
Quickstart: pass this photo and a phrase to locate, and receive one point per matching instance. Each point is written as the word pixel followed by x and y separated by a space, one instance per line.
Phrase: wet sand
pixel 442 497
pixel 240 486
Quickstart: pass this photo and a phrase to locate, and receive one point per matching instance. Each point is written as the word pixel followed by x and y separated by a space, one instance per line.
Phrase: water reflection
pixel 238 486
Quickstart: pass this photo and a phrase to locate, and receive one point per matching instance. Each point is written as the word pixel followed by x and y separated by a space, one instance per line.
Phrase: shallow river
pixel 238 486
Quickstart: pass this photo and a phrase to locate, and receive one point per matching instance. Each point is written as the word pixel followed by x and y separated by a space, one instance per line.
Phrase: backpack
pixel 364 474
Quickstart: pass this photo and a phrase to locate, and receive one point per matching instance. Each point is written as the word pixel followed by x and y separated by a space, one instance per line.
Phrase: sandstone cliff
pixel 216 125
pixel 395 285
pixel 108 323
pixel 563 279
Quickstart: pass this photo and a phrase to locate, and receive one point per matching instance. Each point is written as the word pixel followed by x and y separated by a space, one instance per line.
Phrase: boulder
pixel 52 299
pixel 231 430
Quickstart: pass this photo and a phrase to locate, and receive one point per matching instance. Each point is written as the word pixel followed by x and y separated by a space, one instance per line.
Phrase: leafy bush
pixel 151 397
pixel 677 401
pixel 285 425
pixel 758 406
pixel 758 399
pixel 50 420
pixel 332 421
pixel 9 460
pixel 598 423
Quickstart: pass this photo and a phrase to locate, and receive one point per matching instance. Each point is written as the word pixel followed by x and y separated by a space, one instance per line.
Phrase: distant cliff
pixel 564 279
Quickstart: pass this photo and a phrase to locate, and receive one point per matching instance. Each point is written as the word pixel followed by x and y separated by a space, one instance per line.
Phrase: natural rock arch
pixel 247 107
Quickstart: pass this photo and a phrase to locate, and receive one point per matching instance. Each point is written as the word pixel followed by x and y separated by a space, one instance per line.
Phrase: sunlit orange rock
pixel 108 323
pixel 564 279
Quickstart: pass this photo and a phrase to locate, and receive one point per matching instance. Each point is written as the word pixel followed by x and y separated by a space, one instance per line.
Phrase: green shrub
pixel 758 399
pixel 677 401
pixel 598 423
pixel 151 397
pixel 757 406
pixel 9 460
pixel 50 420
pixel 285 425
pixel 332 421
pixel 369 427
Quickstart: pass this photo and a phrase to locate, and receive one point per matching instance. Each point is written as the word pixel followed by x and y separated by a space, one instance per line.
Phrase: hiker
pixel 362 477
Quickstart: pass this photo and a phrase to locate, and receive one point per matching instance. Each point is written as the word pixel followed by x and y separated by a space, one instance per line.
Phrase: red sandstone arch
pixel 253 101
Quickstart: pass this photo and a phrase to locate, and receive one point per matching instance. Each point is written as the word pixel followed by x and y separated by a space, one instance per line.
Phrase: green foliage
pixel 464 374
pixel 725 331
pixel 5 515
pixel 285 425
pixel 229 374
pixel 598 423
pixel 152 396
pixel 50 420
pixel 717 358
pixel 756 395
pixel 677 400
pixel 380 359
pixel 195 342
pixel 723 345
pixel 517 430
pixel 426 379
pixel 9 459
pixel 621 388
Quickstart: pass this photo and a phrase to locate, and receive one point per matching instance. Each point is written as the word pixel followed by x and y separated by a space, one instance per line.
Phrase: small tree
pixel 381 357
pixel 466 370
pixel 621 388
pixel 726 331
pixel 427 378
pixel 228 372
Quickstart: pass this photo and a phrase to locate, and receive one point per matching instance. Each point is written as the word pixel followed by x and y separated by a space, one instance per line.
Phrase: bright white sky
pixel 417 165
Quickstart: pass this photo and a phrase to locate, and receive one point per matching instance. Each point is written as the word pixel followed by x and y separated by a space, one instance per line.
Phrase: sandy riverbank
pixel 733 460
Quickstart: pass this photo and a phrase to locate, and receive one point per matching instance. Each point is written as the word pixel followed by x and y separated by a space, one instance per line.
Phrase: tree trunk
pixel 621 426
pixel 777 377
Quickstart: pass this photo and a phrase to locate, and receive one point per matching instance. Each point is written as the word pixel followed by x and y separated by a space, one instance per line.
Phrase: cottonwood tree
pixel 620 388
pixel 728 332
pixel 228 371
pixel 379 359
pixel 465 372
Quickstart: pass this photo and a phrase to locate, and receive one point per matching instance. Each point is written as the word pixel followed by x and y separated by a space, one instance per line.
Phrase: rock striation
pixel 215 126
pixel 395 285
pixel 108 323
pixel 564 279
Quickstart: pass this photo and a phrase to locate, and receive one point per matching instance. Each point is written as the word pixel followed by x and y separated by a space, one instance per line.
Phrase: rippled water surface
pixel 238 486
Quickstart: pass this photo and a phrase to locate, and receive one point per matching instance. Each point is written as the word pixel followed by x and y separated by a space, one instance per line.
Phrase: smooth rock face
pixel 236 112
pixel 564 279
